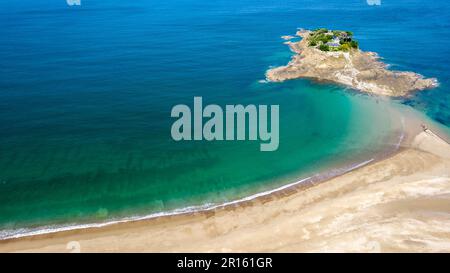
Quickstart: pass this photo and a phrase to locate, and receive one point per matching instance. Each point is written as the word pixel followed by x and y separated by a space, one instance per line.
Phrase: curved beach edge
pixel 366 200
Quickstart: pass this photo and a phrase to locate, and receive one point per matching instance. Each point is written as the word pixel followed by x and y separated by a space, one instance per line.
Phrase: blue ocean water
pixel 86 93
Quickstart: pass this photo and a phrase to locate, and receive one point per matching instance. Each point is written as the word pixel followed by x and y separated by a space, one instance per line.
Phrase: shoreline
pixel 401 137
pixel 310 181
pixel 200 212
pixel 192 211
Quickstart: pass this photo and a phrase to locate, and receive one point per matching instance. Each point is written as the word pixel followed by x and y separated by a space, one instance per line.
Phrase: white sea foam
pixel 24 232
pixel 402 135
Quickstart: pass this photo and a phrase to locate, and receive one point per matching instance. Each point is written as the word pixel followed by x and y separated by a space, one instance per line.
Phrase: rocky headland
pixel 334 56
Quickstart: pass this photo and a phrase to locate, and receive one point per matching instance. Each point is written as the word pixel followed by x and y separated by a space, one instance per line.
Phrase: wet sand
pixel 399 204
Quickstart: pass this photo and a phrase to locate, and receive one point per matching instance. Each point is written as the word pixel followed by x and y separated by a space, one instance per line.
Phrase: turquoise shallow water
pixel 86 94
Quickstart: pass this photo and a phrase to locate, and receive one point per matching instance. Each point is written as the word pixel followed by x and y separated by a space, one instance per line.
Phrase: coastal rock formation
pixel 354 68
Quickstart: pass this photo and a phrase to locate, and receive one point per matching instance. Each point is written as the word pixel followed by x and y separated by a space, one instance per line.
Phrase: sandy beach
pixel 399 204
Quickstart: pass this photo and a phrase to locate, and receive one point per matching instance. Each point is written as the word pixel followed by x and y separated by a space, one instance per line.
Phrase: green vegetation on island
pixel 332 40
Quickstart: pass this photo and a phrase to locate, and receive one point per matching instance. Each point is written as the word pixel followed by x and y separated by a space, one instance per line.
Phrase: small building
pixel 333 44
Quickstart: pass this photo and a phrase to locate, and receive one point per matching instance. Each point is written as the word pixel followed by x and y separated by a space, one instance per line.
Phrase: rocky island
pixel 335 56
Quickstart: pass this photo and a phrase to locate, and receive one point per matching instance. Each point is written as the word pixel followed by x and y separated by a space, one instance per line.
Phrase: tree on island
pixel 332 40
pixel 354 44
pixel 324 47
